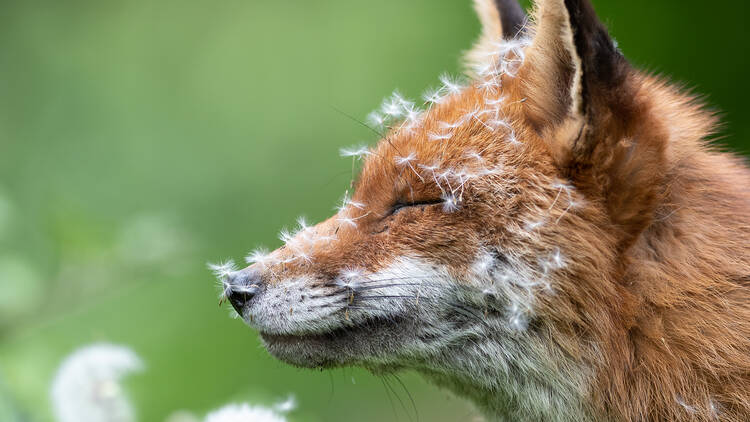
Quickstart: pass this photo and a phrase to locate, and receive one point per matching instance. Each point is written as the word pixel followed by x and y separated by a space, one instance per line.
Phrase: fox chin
pixel 550 236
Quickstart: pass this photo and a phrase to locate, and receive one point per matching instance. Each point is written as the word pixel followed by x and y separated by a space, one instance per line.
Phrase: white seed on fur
pixel 534 225
pixel 451 84
pixel 407 160
pixel 346 203
pixel 223 269
pixel 259 256
pixel 517 319
pixel 358 152
pixel 433 96
pixel 483 264
pixel 450 203
pixel 433 136
pixel 350 278
pixel 286 236
pixel 688 408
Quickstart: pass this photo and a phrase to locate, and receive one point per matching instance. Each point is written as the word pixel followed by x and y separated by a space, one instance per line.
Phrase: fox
pixel 552 236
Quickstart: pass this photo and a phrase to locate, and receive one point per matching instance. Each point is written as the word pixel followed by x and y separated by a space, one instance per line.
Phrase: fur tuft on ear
pixel 500 19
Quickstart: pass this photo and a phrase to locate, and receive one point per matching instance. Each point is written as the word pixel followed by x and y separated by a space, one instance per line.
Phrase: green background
pixel 140 139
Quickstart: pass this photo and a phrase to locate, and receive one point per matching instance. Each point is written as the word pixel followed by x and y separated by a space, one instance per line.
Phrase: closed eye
pixel 400 206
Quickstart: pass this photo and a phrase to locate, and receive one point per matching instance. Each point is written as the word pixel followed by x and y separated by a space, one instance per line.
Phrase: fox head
pixel 482 239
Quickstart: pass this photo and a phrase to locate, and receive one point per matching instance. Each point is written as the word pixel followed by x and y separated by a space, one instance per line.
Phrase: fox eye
pixel 400 206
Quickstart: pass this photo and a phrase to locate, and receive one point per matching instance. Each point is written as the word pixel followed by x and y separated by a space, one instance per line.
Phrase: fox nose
pixel 243 286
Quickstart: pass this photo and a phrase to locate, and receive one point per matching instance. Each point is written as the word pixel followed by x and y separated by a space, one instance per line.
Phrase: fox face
pixel 489 238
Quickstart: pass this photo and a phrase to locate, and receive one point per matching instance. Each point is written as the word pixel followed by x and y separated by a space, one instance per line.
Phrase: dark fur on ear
pixel 603 66
pixel 512 16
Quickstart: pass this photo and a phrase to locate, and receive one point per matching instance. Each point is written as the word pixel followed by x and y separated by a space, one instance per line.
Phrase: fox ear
pixel 581 97
pixel 500 19
pixel 571 65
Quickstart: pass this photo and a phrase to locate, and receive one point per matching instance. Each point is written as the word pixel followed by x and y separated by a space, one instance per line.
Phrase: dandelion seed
pixel 87 387
pixel 533 225
pixel 358 152
pixel 404 161
pixel 224 269
pixel 440 136
pixel 350 278
pixel 489 85
pixel 259 256
pixel 451 84
pixel 687 407
pixel 496 101
pixel 486 70
pixel 302 224
pixel 376 119
pixel 346 202
pixel 303 255
pixel 352 222
pixel 483 264
pixel 517 319
pixel 430 168
pixel 450 203
pixel 412 114
pixel 458 123
pixel 553 262
pixel 433 96
pixel 393 107
pixel 286 236
pixel 474 155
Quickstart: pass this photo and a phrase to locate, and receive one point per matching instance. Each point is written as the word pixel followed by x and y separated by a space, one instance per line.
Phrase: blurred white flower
pixel 86 387
pixel 246 413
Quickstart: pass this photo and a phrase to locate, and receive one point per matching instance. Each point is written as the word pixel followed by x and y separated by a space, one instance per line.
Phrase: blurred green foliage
pixel 140 139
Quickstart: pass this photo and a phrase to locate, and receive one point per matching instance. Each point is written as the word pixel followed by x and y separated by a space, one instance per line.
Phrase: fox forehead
pixel 464 134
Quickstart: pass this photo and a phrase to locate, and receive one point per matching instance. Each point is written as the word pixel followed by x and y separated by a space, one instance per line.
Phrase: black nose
pixel 242 287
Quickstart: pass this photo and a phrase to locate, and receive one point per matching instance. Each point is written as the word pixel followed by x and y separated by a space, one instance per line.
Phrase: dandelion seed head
pixel 87 387
pixel 244 413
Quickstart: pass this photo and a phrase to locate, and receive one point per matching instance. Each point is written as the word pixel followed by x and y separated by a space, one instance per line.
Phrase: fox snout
pixel 242 287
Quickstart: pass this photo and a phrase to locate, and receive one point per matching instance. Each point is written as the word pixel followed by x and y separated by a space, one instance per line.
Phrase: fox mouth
pixel 348 345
